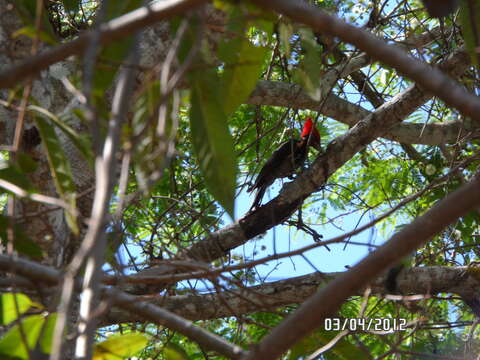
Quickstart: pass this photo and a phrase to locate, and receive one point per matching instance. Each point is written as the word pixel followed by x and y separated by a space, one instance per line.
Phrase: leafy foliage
pixel 35 332
pixel 12 306
pixel 194 146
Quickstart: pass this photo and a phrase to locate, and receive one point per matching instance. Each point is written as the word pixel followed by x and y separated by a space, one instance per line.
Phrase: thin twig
pixel 49 275
pixel 93 246
pixel 115 29
pixel 329 298
pixel 425 76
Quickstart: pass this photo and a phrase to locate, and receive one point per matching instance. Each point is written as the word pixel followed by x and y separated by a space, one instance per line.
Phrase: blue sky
pixel 283 238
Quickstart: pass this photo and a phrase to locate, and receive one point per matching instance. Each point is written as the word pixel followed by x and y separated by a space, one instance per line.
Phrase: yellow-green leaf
pixel 12 305
pixel 308 74
pixel 120 346
pixel 285 31
pixel 174 352
pixel 12 344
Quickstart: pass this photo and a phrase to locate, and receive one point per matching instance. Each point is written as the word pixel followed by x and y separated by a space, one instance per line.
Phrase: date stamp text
pixel 365 324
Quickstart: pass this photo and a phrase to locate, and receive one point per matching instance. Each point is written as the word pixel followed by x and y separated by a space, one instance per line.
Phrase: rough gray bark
pixel 412 284
pixel 43 225
pixel 427 281
pixel 338 152
pixel 277 93
pixel 52 232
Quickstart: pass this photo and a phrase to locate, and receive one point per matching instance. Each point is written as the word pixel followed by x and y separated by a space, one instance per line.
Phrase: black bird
pixel 285 160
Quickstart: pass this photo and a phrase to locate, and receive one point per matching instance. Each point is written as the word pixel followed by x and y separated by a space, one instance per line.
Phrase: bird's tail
pixel 258 198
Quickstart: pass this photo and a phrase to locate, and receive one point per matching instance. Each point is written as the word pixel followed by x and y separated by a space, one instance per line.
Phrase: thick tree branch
pixel 42 274
pixel 115 29
pixel 338 152
pixel 424 75
pixel 427 281
pixel 275 93
pixel 324 303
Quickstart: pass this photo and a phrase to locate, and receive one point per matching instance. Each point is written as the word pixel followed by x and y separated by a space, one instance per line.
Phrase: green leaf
pixel 222 5
pixel 304 79
pixel 46 339
pixel 469 20
pixel 71 5
pixel 309 72
pixel 285 31
pixel 242 62
pixel 21 243
pixel 8 308
pixel 243 65
pixel 31 32
pixel 174 352
pixel 120 347
pixel 211 139
pixel 81 141
pixel 60 168
pixel 26 163
pixel 36 328
pixel 16 177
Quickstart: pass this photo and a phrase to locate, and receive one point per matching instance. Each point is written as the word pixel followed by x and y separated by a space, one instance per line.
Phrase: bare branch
pixel 115 29
pixel 93 246
pixel 338 152
pixel 424 75
pixel 413 284
pixel 170 320
pixel 277 93
pixel 324 303
pixel 422 282
pixel 45 274
pixel 44 199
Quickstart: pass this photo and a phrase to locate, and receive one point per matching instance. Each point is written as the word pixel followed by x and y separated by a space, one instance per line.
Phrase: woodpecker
pixel 285 160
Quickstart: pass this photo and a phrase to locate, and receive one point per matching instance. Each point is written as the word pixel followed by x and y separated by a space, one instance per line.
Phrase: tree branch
pixel 423 281
pixel 338 152
pixel 431 79
pixel 276 93
pixel 115 29
pixel 324 303
pixel 42 274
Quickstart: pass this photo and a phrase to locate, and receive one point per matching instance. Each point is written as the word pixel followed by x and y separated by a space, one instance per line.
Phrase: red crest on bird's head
pixel 309 128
